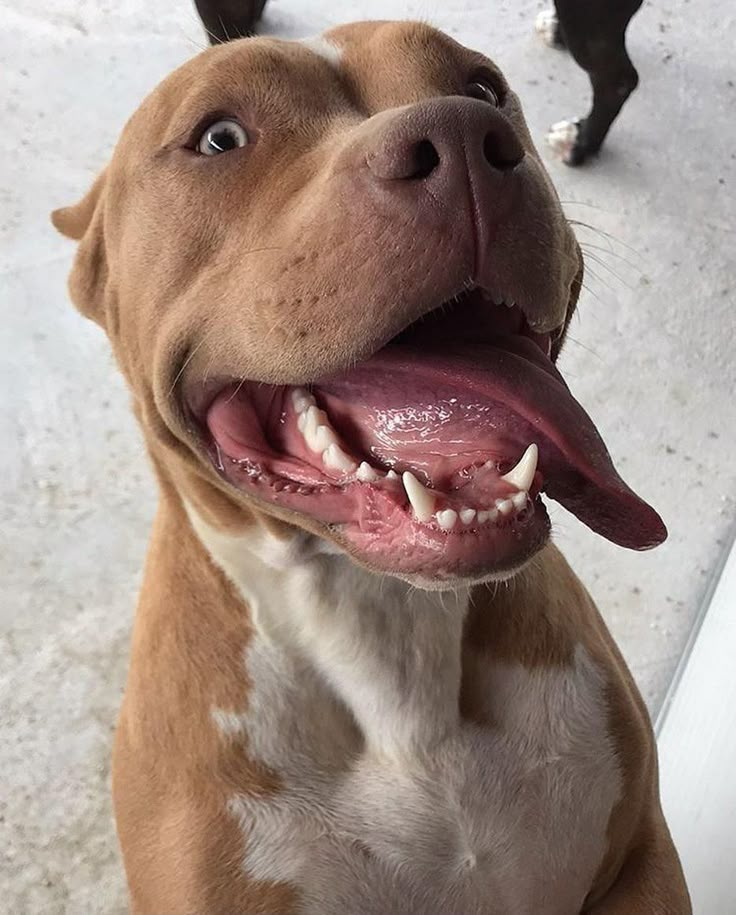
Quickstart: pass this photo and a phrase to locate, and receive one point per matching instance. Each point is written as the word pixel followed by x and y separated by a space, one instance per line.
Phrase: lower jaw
pixel 380 532
pixel 434 557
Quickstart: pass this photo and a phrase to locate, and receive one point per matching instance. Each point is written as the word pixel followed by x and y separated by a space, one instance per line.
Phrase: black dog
pixel 594 31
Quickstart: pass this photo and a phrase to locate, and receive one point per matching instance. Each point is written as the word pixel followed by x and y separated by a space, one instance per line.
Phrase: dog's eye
pixel 482 91
pixel 221 137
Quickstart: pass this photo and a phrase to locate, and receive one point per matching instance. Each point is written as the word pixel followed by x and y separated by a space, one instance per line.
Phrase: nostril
pixel 501 152
pixel 426 159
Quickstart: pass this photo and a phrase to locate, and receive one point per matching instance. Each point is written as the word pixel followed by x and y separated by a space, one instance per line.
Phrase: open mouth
pixel 429 458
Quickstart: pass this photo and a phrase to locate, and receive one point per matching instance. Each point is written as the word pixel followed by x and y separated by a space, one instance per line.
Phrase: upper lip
pixel 474 315
pixel 448 320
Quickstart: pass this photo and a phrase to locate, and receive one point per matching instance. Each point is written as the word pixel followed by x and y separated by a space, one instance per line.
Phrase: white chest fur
pixel 391 803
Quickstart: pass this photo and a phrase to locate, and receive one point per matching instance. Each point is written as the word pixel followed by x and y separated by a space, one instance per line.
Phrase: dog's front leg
pixel 594 31
pixel 225 20
pixel 650 882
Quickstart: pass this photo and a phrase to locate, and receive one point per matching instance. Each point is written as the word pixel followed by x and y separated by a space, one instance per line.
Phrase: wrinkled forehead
pixel 396 63
pixel 364 67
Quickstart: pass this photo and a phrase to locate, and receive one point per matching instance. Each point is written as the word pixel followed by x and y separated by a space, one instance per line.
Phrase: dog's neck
pixel 390 652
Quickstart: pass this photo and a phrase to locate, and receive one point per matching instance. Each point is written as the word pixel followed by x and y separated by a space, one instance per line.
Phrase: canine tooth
pixel 522 476
pixel 323 438
pixel 392 475
pixel 446 519
pixel 336 459
pixel 504 506
pixel 366 473
pixel 467 515
pixel 421 499
pixel 302 400
pixel 519 499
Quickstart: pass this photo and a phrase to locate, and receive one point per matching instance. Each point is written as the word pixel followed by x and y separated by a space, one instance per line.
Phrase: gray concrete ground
pixel 650 357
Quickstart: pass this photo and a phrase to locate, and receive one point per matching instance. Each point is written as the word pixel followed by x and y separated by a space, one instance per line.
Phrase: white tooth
pixel 510 304
pixel 522 476
pixel 519 499
pixel 313 419
pixel 336 459
pixel 446 519
pixel 422 500
pixel 392 475
pixel 489 515
pixel 505 506
pixel 467 515
pixel 366 473
pixel 302 400
pixel 323 438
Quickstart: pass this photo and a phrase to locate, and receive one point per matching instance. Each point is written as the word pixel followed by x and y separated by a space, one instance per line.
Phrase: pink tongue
pixel 517 392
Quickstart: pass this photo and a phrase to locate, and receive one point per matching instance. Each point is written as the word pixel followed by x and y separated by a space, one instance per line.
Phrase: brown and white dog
pixel 362 681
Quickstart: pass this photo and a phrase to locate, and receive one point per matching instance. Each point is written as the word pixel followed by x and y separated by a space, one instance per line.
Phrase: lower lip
pixel 414 549
pixel 373 523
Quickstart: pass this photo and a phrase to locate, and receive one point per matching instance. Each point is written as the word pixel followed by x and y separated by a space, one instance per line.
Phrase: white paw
pixel 562 137
pixel 546 27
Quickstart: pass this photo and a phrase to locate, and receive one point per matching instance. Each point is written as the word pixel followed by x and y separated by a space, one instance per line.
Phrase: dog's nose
pixel 441 137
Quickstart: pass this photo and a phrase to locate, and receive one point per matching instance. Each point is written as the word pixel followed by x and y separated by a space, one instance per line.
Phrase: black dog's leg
pixel 225 20
pixel 595 33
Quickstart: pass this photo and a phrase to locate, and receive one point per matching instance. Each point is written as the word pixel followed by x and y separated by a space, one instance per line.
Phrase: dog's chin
pixel 428 460
pixel 447 563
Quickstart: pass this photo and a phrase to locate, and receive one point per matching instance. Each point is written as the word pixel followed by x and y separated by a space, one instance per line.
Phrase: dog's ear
pixel 84 222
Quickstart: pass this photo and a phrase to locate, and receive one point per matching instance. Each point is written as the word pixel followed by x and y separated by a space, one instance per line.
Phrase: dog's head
pixel 336 276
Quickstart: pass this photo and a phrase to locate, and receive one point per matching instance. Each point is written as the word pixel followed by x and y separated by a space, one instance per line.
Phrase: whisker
pixel 224 28
pixel 190 40
pixel 584 346
pixel 197 22
pixel 185 364
pixel 599 279
pixel 583 203
pixel 590 246
pixel 603 234
pixel 601 263
pixel 236 391
pixel 207 32
pixel 592 292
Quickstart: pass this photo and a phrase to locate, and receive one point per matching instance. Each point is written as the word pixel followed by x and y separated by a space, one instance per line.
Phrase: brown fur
pixel 195 269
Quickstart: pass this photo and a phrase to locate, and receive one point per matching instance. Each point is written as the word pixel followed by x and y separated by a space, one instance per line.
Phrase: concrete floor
pixel 650 358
